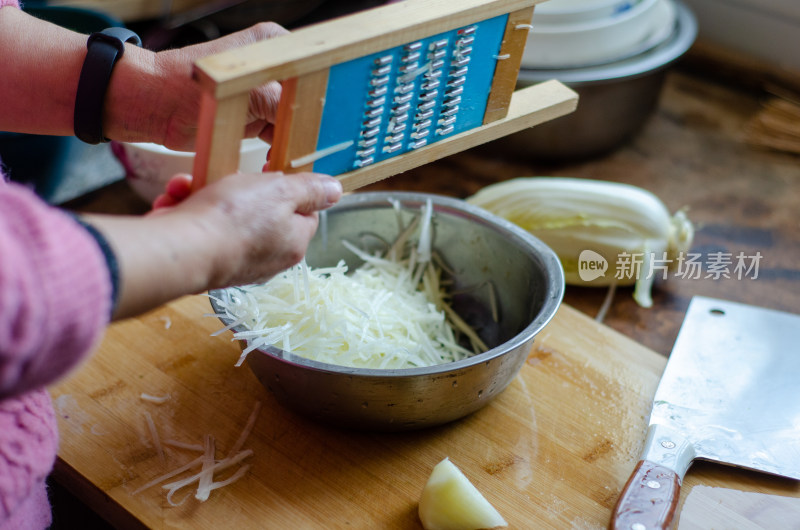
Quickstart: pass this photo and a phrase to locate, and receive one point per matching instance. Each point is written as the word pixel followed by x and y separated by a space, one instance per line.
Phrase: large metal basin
pixel 479 247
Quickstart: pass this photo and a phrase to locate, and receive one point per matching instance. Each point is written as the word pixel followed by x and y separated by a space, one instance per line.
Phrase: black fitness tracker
pixel 104 50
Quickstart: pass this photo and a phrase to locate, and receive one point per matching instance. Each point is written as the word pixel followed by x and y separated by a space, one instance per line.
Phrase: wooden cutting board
pixel 552 451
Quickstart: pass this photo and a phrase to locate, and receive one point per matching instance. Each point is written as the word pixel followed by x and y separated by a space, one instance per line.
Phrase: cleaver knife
pixel 729 394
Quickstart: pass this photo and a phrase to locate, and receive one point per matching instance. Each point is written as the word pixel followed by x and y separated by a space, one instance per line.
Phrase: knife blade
pixel 728 394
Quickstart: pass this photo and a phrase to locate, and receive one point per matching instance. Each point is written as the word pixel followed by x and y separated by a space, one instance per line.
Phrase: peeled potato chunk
pixel 450 502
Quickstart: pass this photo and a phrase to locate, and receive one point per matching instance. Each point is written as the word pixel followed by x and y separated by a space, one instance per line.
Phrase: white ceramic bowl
pixel 600 40
pixel 571 11
pixel 150 166
pixel 616 100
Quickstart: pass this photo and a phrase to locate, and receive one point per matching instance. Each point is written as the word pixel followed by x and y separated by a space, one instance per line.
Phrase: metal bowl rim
pixel 553 295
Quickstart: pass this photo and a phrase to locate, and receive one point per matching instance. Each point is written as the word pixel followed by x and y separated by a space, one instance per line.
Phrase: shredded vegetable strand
pixel 230 480
pixel 218 466
pixel 206 472
pixel 229 326
pixel 169 475
pixel 154 435
pixel 183 445
pixel 154 399
pixel 251 421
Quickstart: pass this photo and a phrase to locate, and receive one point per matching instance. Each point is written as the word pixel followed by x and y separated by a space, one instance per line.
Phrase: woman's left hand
pixel 182 125
pixel 153 98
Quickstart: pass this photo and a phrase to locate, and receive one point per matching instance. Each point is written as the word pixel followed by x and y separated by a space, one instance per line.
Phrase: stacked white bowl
pixel 578 33
pixel 615 54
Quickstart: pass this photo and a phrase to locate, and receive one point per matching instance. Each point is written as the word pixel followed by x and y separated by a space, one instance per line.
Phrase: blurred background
pixel 615 53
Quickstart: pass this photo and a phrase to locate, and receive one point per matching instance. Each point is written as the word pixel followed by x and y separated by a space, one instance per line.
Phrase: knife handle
pixel 648 500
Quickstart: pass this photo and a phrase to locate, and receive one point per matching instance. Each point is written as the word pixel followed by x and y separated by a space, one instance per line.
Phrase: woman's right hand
pixel 262 223
pixel 242 229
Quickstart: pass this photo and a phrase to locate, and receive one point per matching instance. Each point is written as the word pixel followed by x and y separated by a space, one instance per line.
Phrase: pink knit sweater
pixel 55 297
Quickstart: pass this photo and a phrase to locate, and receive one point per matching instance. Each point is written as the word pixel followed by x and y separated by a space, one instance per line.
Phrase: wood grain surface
pixel 552 451
pixel 743 510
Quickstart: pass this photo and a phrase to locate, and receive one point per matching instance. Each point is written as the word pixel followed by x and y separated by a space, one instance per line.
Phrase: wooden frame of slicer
pixel 302 62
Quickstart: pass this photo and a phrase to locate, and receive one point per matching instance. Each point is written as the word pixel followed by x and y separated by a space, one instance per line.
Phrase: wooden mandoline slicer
pixel 373 94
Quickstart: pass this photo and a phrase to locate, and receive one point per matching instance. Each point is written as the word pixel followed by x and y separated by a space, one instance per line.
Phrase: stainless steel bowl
pixel 479 247
pixel 615 101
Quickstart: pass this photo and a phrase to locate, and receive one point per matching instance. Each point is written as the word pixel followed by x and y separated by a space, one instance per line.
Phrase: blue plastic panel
pixel 407 97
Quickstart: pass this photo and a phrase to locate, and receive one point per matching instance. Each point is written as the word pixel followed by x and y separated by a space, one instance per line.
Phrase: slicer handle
pixel 648 500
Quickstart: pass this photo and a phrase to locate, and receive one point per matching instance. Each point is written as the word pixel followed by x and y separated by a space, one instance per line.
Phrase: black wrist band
pixel 104 50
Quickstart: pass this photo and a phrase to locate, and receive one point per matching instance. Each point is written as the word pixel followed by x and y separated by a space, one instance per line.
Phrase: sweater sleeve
pixel 55 292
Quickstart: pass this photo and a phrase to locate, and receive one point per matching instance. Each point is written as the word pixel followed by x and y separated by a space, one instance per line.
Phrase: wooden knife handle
pixel 648 500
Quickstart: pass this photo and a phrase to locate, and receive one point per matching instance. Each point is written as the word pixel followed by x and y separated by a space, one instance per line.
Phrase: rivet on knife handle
pixel 648 500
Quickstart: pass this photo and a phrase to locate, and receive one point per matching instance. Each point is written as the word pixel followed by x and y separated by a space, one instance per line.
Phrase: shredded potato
pixel 151 426
pixel 209 465
pixel 154 399
pixel 391 312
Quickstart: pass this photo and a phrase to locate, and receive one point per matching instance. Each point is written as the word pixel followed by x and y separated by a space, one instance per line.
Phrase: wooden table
pixel 570 426
pixel 551 451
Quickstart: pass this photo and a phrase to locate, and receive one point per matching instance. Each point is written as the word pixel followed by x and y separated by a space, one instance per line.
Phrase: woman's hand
pixel 260 224
pixel 182 127
pixel 242 229
pixel 153 98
